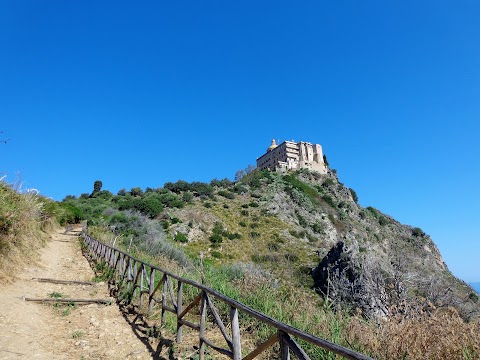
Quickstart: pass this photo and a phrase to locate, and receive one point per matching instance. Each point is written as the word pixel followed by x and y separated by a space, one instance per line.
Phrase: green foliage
pixel 187 197
pixel 244 212
pixel 226 194
pixel 325 160
pixel 201 189
pixel 291 183
pixel 178 187
pixel 417 232
pixel 242 223
pixel 216 238
pixel 328 182
pixel 97 186
pixel 136 191
pixel 151 206
pixel 474 297
pixel 329 201
pixel 240 189
pixel 69 214
pixel 318 227
pixel 301 219
pixel 181 237
pixel 354 195
pixel 256 178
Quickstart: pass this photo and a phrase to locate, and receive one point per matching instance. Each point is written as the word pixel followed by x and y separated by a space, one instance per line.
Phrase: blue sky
pixel 137 94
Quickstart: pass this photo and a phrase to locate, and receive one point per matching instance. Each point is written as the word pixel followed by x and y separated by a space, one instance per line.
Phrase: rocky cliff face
pixel 308 223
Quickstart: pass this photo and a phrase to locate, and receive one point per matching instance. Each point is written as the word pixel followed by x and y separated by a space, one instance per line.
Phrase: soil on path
pixel 30 330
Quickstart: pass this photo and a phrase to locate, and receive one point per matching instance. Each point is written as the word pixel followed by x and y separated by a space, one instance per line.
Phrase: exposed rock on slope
pixel 303 222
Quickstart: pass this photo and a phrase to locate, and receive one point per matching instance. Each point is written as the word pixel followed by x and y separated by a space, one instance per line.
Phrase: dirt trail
pixel 30 330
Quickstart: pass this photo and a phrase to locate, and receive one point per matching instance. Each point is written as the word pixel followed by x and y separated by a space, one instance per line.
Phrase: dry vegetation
pixel 262 237
pixel 24 219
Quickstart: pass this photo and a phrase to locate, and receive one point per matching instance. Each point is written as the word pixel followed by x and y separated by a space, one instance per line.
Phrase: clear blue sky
pixel 140 93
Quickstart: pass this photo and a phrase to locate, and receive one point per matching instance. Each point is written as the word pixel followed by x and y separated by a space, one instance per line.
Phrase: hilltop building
pixel 290 155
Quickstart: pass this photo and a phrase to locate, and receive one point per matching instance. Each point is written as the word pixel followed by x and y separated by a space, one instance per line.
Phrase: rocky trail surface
pixel 33 330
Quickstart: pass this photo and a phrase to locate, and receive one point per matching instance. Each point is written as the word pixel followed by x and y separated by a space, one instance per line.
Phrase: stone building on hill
pixel 290 155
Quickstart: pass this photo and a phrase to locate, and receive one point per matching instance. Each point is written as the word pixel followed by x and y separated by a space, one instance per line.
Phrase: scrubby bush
pixel 147 235
pixel 354 195
pixel 417 232
pixel 178 187
pixel 136 191
pixel 181 237
pixel 187 196
pixel 201 189
pixel 226 194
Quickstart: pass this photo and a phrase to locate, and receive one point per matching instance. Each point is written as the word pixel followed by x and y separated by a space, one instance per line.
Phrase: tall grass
pixel 440 334
pixel 24 219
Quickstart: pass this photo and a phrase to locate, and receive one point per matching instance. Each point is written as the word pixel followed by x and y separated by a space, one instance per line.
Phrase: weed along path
pixel 36 330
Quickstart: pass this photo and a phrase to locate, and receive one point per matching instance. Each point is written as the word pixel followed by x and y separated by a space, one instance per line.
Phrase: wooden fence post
pixel 142 267
pixel 164 298
pixel 236 344
pixel 203 317
pixel 284 350
pixel 179 311
pixel 151 287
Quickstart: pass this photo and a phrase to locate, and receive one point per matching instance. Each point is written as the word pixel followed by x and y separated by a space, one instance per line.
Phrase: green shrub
pixel 318 227
pixel 178 187
pixel 354 195
pixel 253 204
pixel 329 201
pixel 272 246
pixel 181 237
pixel 136 191
pixel 417 232
pixel 328 182
pixel 201 188
pixel 242 223
pixel 301 219
pixel 216 238
pixel 244 212
pixel 226 194
pixel 208 205
pixel 187 197
pixel 216 254
pixel 254 234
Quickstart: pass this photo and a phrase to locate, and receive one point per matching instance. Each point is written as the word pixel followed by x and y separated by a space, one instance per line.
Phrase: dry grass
pixel 23 223
pixel 441 334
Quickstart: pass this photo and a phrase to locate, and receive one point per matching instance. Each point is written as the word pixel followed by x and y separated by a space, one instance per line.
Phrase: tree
pixel 239 175
pixel 325 161
pixel 250 168
pixel 354 195
pixel 97 186
pixel 136 191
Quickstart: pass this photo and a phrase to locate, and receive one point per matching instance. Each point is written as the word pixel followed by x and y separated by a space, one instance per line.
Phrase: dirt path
pixel 31 330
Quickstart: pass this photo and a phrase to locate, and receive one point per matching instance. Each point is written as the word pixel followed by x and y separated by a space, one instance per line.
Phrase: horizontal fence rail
pixel 157 285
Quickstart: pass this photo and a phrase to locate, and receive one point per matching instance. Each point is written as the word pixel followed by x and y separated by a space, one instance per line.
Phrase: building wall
pixel 290 155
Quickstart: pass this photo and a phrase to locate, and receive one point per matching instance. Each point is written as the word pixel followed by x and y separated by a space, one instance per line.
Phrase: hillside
pixel 300 237
pixel 302 228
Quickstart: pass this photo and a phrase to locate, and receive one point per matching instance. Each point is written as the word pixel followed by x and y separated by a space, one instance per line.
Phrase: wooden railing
pixel 149 281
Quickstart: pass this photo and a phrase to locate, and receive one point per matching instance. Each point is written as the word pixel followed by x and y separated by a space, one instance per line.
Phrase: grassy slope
pixel 24 220
pixel 296 216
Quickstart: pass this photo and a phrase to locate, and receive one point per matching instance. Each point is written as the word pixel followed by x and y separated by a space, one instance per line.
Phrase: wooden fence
pixel 157 285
